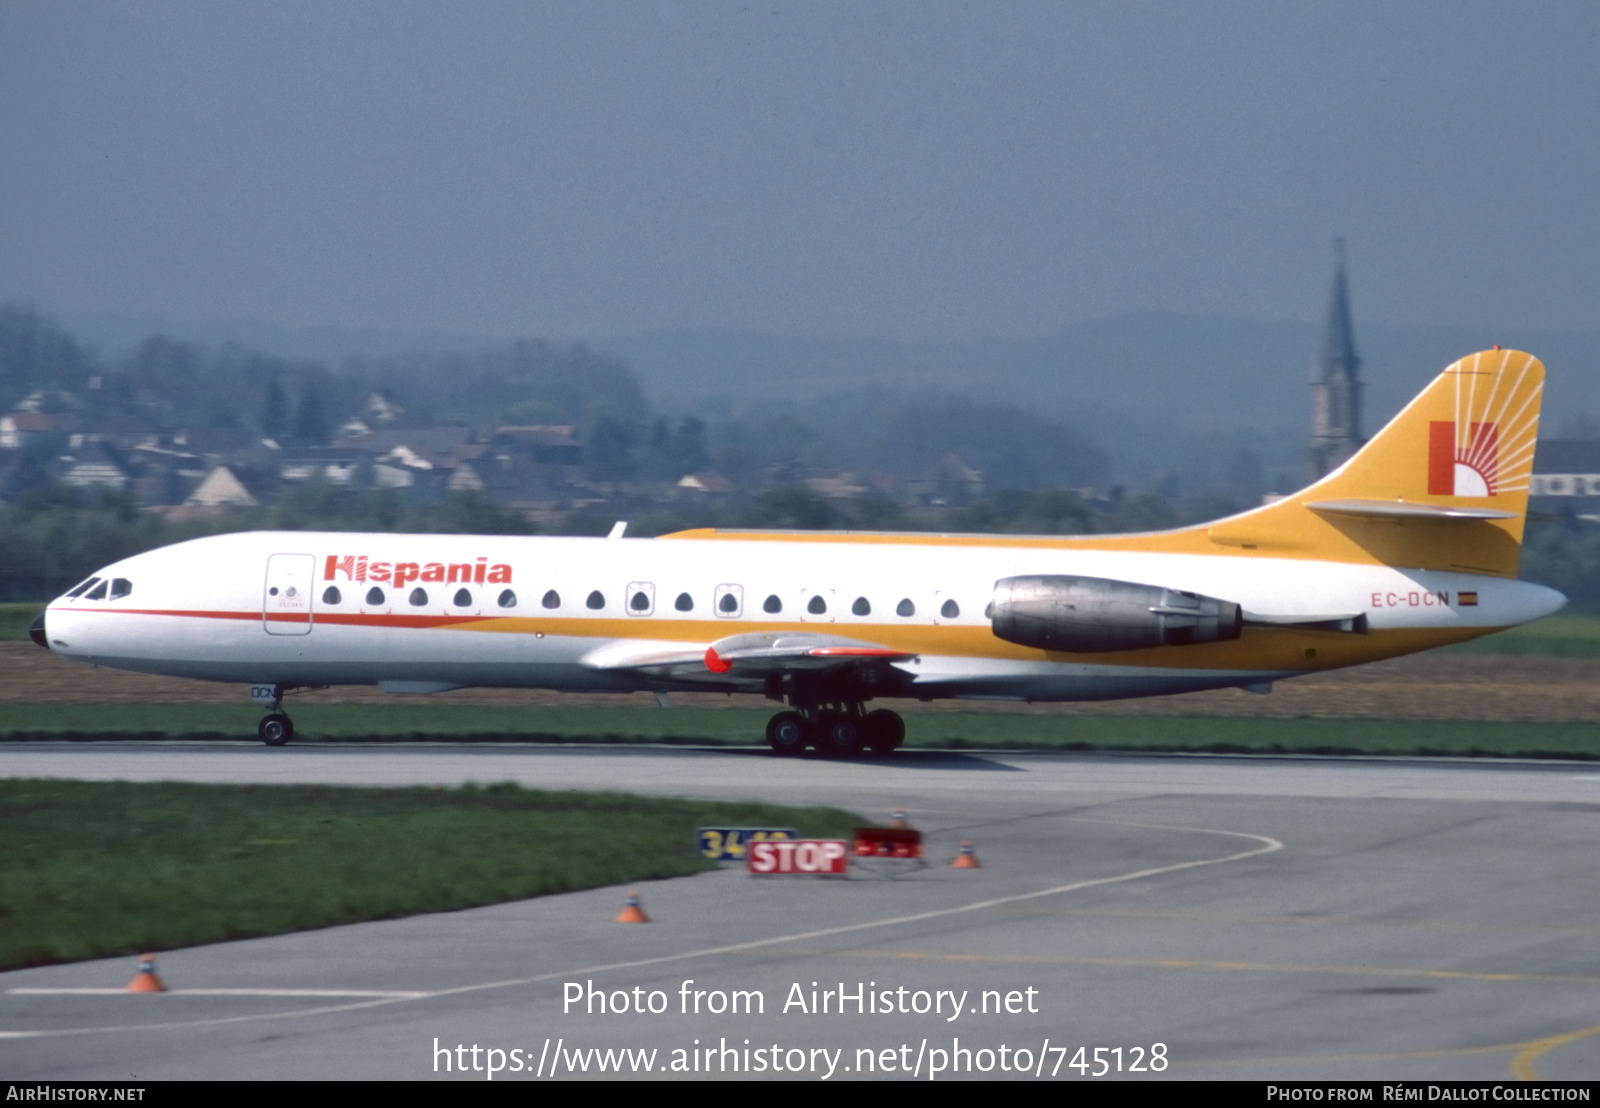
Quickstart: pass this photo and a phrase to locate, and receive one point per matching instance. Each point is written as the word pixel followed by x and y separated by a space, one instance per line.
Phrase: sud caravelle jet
pixel 1413 543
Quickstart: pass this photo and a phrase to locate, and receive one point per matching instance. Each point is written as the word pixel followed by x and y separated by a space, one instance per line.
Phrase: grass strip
pixel 14 620
pixel 90 869
pixel 1571 636
pixel 745 727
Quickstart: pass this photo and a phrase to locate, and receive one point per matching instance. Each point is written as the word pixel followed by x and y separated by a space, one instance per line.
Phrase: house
pixel 19 428
pixel 221 489
pixel 706 484
pixel 94 466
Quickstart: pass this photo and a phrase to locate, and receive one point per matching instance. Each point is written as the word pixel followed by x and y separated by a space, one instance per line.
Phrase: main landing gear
pixel 841 730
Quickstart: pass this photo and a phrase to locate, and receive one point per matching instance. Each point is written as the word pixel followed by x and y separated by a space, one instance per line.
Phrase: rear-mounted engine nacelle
pixel 1092 615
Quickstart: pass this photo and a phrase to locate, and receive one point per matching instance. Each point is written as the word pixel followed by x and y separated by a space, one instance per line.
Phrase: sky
pixel 920 170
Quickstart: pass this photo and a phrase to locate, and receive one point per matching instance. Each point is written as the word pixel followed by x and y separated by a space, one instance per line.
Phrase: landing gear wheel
pixel 275 729
pixel 840 734
pixel 884 730
pixel 788 733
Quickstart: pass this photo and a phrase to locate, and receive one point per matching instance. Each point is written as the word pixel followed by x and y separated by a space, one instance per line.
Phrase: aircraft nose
pixel 36 631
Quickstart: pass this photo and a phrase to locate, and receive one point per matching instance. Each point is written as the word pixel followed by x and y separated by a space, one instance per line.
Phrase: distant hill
pixel 1195 370
pixel 1174 400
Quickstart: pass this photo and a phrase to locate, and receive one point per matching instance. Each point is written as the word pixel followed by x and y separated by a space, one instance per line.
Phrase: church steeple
pixel 1336 382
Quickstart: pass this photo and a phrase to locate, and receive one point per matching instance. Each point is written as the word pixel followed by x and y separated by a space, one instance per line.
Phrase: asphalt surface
pixel 1195 917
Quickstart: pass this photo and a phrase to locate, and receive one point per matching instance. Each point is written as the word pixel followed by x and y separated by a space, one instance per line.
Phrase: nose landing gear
pixel 275 728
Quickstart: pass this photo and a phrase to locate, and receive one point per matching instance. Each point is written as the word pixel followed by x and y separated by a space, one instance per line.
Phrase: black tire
pixel 275 729
pixel 788 733
pixel 884 731
pixel 840 735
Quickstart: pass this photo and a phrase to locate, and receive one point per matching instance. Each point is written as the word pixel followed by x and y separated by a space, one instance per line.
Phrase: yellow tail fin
pixel 1443 486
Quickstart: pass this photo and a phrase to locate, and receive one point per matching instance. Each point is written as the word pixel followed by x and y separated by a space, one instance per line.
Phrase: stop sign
pixel 817 857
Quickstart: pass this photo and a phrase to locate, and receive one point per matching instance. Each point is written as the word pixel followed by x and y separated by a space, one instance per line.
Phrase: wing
pixel 751 661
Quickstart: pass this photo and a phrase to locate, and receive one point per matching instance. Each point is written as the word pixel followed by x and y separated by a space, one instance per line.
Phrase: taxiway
pixel 1257 917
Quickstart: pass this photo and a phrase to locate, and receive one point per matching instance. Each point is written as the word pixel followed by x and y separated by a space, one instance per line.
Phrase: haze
pixel 907 171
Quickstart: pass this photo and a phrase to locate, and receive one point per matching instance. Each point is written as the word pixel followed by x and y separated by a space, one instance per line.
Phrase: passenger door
pixel 286 597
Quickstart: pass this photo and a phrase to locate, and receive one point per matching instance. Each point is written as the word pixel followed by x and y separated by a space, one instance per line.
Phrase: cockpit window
pixel 120 587
pixel 98 592
pixel 82 588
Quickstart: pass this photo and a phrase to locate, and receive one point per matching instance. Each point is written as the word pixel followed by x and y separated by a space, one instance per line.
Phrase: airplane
pixel 1413 543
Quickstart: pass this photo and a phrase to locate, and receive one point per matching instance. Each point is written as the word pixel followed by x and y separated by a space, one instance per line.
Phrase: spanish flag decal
pixel 1467 599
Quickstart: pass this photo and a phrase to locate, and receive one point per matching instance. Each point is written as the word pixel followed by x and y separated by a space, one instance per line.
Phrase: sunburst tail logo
pixel 1487 449
pixel 1460 465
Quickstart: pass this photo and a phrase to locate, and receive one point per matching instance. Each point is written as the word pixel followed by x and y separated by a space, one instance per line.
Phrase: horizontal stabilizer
pixel 1402 509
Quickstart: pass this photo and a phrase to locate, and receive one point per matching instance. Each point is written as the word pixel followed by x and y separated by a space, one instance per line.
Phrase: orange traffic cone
pixel 966 859
pixel 146 981
pixel 631 912
pixel 898 819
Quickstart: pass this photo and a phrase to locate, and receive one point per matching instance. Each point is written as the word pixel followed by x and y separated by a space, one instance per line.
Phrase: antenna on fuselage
pixel 617 529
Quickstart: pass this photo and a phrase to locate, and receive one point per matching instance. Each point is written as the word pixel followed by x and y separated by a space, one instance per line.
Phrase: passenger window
pixel 772 605
pixel 419 597
pixel 507 599
pixel 121 587
pixel 552 599
pixel 684 603
pixel 817 606
pixel 729 601
pixel 951 610
pixel 330 595
pixel 596 600
pixel 81 589
pixel 905 608
pixel 374 596
pixel 640 602
pixel 463 598
pixel 97 593
pixel 861 607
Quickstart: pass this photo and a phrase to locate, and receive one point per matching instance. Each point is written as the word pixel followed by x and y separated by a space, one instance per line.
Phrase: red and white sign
pixel 817 857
